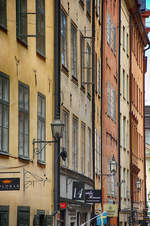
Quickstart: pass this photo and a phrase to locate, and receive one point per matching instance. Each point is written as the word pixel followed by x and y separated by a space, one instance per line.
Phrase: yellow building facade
pixel 26 81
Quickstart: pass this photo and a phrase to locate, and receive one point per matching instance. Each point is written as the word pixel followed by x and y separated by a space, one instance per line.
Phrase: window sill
pixel 81 4
pixel 82 88
pixel 41 163
pixel 65 70
pixel 88 16
pixel 74 80
pixel 6 154
pixel 89 96
pixel 24 158
pixel 40 55
pixel 22 42
pixel 4 29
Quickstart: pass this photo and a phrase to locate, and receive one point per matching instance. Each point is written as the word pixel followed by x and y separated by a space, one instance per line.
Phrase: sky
pixel 147 76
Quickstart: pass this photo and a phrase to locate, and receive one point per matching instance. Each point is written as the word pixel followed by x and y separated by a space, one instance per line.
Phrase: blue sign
pixel 102 219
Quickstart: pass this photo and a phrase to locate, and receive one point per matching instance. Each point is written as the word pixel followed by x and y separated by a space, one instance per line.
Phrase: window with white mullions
pixel 108 28
pixel 82 60
pixel 89 152
pixel 74 50
pixel 65 139
pixel 75 144
pixel 83 148
pixel 88 63
pixel 23 121
pixel 3 14
pixel 40 27
pixel 112 35
pixel 4 115
pixel 41 117
pixel 21 20
pixel 63 39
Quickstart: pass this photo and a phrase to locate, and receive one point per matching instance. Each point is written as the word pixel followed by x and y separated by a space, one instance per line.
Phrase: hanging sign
pixel 93 196
pixel 9 184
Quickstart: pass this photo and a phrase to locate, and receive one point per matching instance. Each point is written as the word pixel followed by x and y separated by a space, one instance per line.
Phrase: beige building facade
pixel 76 109
pixel 26 111
pixel 124 113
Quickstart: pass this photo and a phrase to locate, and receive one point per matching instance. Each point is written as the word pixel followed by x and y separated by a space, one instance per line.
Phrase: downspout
pixel 130 79
pixel 57 88
pixel 101 122
pixel 119 174
pixel 144 133
pixel 93 96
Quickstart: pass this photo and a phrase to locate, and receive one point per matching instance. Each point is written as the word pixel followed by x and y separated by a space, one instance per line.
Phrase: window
pixel 88 62
pixel 23 121
pixel 82 59
pixel 4 115
pixel 99 153
pixel 40 27
pixel 108 28
pixel 127 44
pixel 4 215
pixel 96 154
pixel 112 35
pixel 109 184
pixel 114 40
pixel 123 83
pixel 123 38
pixel 124 132
pixel 112 103
pixel 124 183
pixel 23 216
pixel 41 126
pixel 65 139
pixel 89 152
pixel 21 20
pixel 114 93
pixel 75 144
pixel 63 38
pixel 98 77
pixel 88 7
pixel 147 136
pixel 3 14
pixel 74 50
pixel 108 98
pixel 99 10
pixel 127 87
pixel 83 148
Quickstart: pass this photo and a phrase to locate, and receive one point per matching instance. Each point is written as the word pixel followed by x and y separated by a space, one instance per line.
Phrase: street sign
pixel 9 184
pixel 93 196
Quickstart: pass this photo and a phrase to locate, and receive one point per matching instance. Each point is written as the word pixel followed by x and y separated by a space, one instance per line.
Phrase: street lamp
pixel 113 165
pixel 57 128
pixel 138 184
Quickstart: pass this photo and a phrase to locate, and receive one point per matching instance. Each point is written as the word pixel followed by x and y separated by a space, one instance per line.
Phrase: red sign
pixel 63 205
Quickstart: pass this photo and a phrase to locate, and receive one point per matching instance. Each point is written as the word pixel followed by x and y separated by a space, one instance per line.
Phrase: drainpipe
pixel 119 174
pixel 131 182
pixel 93 95
pixel 57 86
pixel 102 29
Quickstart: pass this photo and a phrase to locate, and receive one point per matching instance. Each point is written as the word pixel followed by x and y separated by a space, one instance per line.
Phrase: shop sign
pixel 111 209
pixel 63 205
pixel 93 196
pixel 9 184
pixel 78 191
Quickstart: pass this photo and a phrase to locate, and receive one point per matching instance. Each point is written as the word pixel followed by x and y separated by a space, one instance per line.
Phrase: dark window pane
pixel 40 27
pixel 21 20
pixel 3 14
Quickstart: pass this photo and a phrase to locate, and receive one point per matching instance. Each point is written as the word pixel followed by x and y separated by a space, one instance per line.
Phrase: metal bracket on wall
pixel 30 178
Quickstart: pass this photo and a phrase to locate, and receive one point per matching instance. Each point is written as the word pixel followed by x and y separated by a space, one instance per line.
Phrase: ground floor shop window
pixel 23 216
pixel 4 215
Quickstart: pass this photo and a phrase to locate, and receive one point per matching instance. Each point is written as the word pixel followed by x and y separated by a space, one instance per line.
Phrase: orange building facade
pixel 110 14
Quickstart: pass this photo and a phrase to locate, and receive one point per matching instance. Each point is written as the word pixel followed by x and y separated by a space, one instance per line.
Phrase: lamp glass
pixel 57 128
pixel 138 184
pixel 113 165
